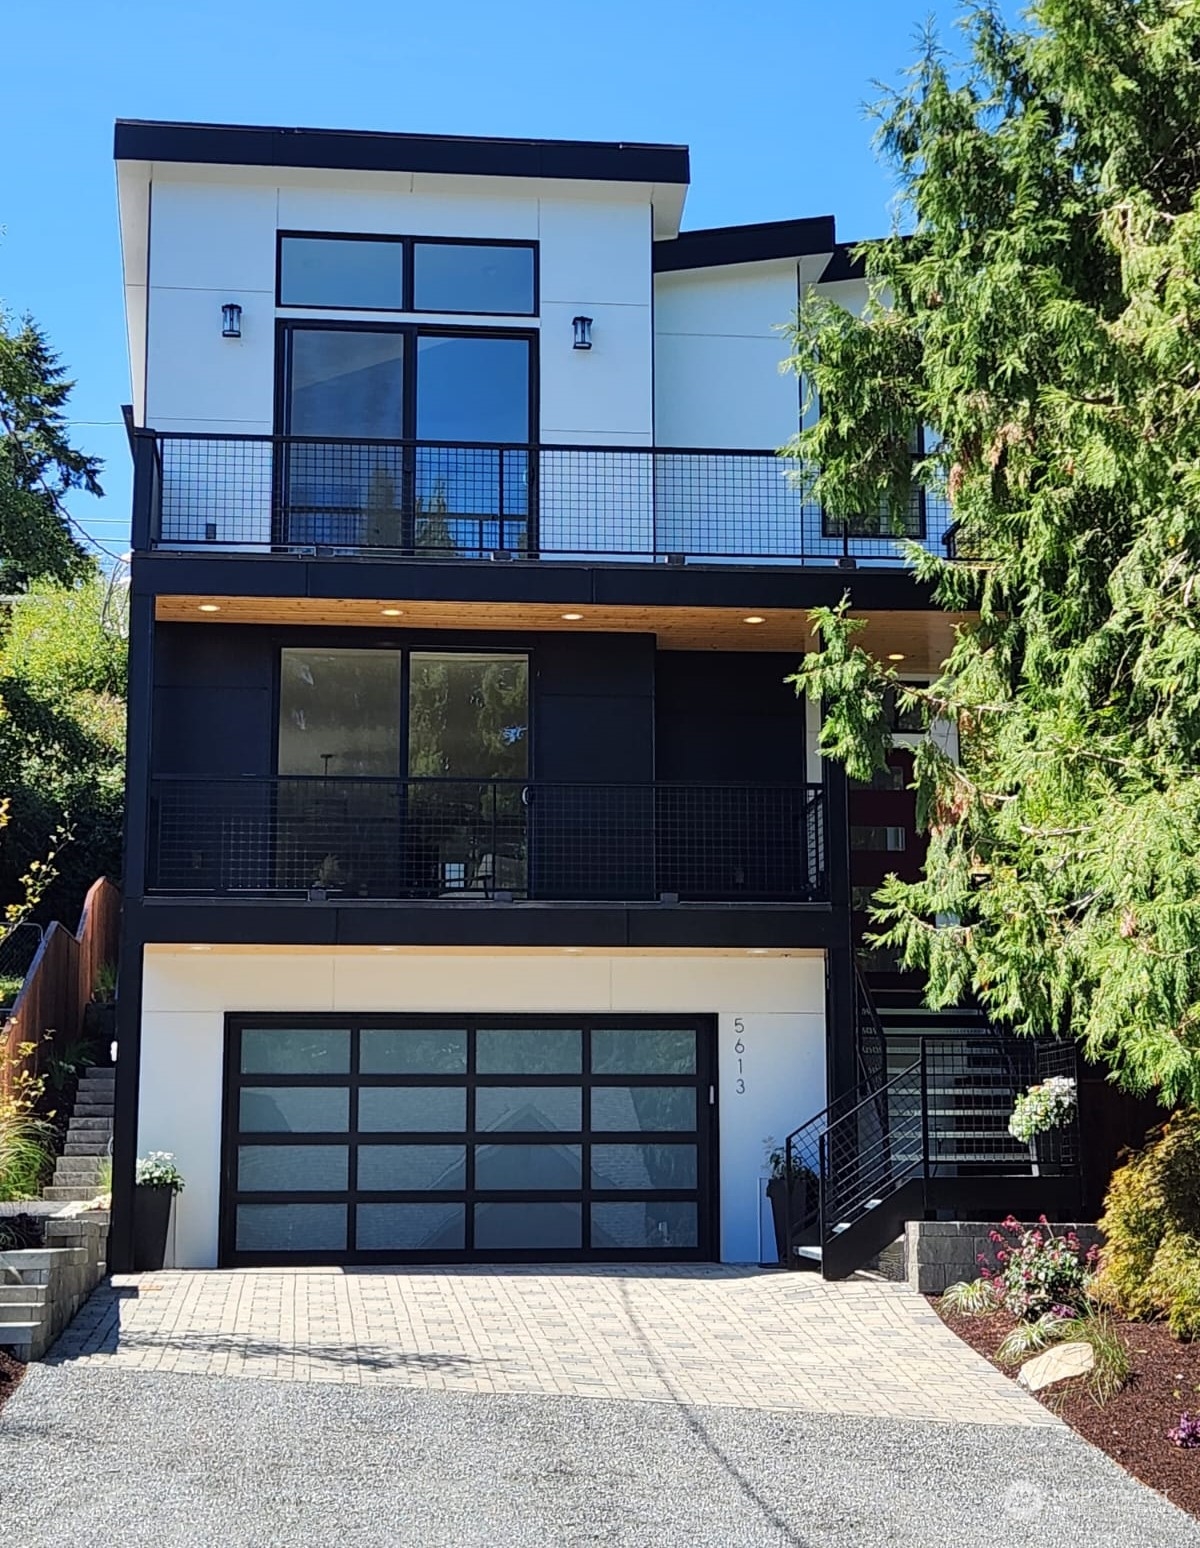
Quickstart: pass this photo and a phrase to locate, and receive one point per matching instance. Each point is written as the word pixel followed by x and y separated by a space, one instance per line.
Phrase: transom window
pixel 407 274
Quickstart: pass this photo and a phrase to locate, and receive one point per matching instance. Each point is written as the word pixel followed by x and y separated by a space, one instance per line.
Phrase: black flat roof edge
pixel 715 246
pixel 844 265
pixel 365 151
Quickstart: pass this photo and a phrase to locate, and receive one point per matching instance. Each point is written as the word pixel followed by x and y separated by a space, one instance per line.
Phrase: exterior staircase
pixel 89 1138
pixel 925 1127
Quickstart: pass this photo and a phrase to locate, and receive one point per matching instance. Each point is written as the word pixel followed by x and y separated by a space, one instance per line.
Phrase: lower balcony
pixel 452 840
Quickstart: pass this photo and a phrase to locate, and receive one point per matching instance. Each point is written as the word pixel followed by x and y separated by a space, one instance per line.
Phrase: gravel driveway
pixel 156 1460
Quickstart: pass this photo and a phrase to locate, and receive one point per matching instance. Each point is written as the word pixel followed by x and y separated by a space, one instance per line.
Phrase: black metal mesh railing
pixel 455 839
pixel 945 1114
pixel 475 501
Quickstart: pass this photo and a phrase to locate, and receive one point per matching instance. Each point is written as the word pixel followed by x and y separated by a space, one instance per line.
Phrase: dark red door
pixel 883 841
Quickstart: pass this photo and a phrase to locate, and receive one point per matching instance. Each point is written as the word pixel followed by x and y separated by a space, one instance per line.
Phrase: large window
pixel 357 392
pixel 407 274
pixel 456 723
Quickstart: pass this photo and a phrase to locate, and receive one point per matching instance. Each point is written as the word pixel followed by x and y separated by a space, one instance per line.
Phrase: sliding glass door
pixel 403 772
pixel 464 399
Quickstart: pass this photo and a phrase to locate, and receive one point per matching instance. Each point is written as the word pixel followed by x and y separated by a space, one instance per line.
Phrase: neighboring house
pixel 485 896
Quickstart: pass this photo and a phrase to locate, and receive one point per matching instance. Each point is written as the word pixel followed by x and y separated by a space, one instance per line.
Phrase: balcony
pixel 448 840
pixel 435 500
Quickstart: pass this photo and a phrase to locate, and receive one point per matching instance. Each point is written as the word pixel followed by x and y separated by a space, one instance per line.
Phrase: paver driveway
pixel 665 1408
pixel 696 1335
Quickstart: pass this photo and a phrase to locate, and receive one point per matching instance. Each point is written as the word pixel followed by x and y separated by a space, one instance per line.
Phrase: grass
pixel 104 1176
pixel 974 1298
pixel 25 1154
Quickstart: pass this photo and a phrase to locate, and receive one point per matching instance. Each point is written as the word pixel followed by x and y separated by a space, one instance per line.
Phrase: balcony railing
pixel 475 501
pixel 452 839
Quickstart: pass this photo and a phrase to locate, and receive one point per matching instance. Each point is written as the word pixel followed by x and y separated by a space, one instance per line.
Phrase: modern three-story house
pixel 486 898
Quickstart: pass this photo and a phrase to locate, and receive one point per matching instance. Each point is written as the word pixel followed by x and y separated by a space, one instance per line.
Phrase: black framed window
pixel 355 396
pixel 351 271
pixel 345 272
pixel 385 1137
pixel 883 523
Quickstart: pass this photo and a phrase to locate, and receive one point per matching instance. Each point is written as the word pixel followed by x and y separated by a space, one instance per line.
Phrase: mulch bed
pixel 1131 1427
pixel 11 1372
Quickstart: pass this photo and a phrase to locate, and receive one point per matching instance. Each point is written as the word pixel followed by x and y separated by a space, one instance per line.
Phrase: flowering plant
pixel 1043 1107
pixel 1187 1432
pixel 158 1170
pixel 1037 1272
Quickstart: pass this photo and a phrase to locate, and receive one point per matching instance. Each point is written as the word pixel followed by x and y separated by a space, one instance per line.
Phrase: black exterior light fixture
pixel 231 320
pixel 583 332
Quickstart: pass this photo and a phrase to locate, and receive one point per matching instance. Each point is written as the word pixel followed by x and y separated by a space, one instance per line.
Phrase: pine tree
pixel 1043 314
pixel 38 464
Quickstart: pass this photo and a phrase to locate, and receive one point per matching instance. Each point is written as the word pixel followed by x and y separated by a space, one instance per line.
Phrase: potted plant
pixel 1038 1114
pixel 795 1198
pixel 158 1181
pixel 100 1014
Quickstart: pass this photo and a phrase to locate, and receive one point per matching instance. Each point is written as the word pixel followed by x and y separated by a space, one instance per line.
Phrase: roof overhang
pixel 719 246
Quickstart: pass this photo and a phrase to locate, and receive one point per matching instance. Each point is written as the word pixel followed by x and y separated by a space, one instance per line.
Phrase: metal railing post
pixel 924 1110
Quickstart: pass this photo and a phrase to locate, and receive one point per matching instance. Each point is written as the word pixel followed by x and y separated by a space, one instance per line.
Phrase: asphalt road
pixel 102 1457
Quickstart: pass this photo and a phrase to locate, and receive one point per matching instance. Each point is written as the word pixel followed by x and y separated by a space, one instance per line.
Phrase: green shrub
pixel 1150 1266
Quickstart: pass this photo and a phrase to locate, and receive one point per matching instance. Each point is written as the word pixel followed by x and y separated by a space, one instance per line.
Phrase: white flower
pixel 1043 1107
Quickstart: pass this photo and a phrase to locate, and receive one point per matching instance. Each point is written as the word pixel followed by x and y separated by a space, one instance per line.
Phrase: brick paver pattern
pixel 698 1336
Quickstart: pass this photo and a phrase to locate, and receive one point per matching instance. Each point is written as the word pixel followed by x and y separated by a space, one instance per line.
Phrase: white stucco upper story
pixel 686 327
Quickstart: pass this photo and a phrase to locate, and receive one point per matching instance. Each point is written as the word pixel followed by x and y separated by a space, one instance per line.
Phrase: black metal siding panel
pixel 727 716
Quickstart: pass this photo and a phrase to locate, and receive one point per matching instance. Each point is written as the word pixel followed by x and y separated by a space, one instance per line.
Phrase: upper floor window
pixel 407 274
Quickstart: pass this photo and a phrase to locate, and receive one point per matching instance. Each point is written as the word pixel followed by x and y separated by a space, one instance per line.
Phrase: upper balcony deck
pixel 398 500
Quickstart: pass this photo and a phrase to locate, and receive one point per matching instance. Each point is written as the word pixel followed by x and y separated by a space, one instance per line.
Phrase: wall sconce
pixel 231 320
pixel 583 332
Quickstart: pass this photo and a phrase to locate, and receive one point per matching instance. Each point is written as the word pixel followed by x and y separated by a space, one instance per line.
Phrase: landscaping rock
pixel 1057 1364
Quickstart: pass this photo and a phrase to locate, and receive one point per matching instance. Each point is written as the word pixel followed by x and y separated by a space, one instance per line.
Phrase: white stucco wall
pixel 773 1005
pixel 718 349
pixel 212 240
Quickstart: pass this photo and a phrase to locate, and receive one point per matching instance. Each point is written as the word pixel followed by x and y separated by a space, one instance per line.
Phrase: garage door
pixel 433 1139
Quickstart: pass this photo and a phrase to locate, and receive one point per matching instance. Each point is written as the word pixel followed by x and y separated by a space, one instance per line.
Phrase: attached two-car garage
pixel 386 1138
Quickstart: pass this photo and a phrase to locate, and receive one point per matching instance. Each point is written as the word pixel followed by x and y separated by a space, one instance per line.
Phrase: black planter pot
pixel 790 1211
pixel 151 1220
pixel 100 1026
pixel 1046 1153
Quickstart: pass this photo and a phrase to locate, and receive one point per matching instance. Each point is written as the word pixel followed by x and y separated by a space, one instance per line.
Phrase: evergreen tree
pixel 1043 315
pixel 38 464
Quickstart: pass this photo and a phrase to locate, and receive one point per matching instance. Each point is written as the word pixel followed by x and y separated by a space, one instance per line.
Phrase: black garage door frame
pixel 706 1194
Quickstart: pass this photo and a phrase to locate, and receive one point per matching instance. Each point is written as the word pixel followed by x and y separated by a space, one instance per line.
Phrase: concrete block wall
pixel 939 1253
pixel 42 1288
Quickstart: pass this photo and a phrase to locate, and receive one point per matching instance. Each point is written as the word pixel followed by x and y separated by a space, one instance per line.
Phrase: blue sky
pixel 768 95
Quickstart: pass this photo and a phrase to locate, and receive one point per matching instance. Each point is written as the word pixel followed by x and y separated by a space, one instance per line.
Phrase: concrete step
pixel 92 1110
pixel 90 1125
pixel 20 1295
pixel 100 1072
pixel 81 1147
pixel 60 1193
pixel 95 1091
pixel 68 1168
pixel 17 1333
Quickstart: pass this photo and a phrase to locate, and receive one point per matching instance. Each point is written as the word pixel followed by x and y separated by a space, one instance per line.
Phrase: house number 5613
pixel 739 1048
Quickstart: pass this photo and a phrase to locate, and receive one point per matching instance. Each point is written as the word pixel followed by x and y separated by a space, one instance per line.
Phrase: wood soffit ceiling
pixel 923 639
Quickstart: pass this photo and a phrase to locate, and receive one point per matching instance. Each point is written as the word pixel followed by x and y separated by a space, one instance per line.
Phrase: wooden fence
pixel 59 984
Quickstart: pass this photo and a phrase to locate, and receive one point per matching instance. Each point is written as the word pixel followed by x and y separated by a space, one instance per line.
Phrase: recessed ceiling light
pixel 387 948
pixel 392 612
pixel 572 951
pixel 572 617
pixel 199 948
pixel 896 655
pixel 209 607
pixel 758 951
pixel 754 618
